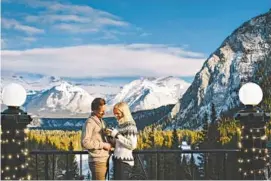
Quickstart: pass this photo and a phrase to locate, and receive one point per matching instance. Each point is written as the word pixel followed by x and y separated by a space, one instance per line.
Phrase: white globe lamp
pixel 14 95
pixel 250 94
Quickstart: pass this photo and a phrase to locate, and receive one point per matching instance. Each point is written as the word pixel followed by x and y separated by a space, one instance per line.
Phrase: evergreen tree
pixel 172 161
pixel 203 145
pixel 175 140
pixel 213 113
pixel 205 127
pixel 73 167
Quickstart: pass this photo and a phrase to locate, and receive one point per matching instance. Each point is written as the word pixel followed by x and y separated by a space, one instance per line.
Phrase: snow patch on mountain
pixel 151 93
pixel 63 98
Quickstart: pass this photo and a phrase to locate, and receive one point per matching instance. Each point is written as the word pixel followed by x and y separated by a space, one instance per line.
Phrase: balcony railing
pixel 149 164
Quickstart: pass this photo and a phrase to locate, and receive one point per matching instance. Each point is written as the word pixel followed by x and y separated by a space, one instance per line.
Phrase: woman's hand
pixel 108 131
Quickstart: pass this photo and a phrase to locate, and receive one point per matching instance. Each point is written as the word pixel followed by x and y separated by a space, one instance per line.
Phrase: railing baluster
pixel 206 174
pixel 81 168
pixel 225 166
pixel 67 167
pixel 37 172
pixel 46 167
pixel 192 166
pixel 177 164
pixel 53 169
pixel 157 166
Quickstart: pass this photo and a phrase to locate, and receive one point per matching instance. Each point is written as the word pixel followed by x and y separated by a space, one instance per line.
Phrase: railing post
pixel 225 166
pixel 46 167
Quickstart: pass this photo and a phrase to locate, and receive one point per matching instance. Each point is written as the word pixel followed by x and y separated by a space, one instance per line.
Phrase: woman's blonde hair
pixel 125 110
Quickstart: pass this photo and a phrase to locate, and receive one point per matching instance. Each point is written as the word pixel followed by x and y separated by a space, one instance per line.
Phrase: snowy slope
pixel 151 93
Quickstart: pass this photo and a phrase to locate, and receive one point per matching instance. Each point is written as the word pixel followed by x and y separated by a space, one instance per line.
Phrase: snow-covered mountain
pixel 34 83
pixel 63 99
pixel 50 96
pixel 222 74
pixel 151 93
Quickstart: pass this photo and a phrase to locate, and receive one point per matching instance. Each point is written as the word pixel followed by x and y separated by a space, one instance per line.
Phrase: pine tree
pixel 172 161
pixel 205 127
pixel 73 169
pixel 175 140
pixel 203 145
pixel 213 113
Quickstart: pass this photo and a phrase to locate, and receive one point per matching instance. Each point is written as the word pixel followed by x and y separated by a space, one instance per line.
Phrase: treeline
pixel 53 140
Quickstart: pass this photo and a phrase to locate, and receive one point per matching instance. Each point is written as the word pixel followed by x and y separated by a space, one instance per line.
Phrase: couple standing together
pixel 100 141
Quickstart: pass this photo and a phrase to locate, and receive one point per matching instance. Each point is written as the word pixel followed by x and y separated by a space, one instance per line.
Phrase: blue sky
pixel 181 32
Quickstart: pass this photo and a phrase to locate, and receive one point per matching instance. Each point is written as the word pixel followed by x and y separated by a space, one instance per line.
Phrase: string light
pixel 239 145
pixel 8 139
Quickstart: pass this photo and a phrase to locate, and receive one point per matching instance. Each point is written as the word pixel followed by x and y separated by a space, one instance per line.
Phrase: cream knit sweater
pixel 126 142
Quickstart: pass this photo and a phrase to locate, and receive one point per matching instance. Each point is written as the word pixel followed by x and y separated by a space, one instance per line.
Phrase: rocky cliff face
pixel 223 73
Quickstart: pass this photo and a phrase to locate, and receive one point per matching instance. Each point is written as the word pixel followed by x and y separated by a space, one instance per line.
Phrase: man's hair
pixel 96 103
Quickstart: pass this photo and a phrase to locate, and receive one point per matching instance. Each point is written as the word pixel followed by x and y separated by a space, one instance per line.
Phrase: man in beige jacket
pixel 94 140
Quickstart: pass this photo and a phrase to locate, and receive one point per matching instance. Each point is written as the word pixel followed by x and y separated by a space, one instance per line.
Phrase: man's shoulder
pixel 92 120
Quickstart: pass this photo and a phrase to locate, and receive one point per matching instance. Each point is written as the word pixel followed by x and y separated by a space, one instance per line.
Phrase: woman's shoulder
pixel 128 128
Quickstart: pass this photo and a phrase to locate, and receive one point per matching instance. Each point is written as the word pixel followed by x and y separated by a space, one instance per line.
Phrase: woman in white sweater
pixel 126 141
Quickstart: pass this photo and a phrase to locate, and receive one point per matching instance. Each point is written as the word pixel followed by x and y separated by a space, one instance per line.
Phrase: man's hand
pixel 107 146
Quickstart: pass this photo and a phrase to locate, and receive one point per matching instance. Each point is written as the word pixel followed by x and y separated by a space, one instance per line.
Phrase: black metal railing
pixel 149 164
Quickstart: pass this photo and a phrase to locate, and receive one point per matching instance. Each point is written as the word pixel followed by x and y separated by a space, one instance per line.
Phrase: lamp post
pixel 254 156
pixel 14 161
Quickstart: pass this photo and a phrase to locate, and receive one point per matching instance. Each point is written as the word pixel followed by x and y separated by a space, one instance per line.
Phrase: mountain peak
pixel 150 93
pixel 222 74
